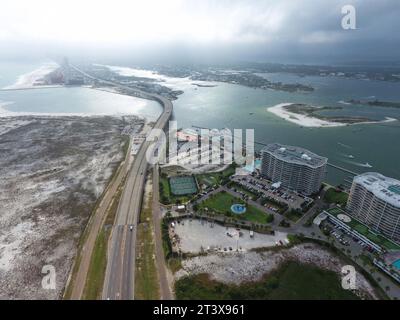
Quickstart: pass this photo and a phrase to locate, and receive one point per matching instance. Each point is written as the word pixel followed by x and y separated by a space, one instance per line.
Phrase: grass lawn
pixel 215 178
pixel 146 276
pixel 207 180
pixel 291 281
pixel 165 192
pixel 98 261
pixel 334 196
pixel 97 268
pixel 379 240
pixel 221 203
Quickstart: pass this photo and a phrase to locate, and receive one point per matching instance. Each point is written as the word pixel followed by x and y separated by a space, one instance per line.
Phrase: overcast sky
pixel 287 30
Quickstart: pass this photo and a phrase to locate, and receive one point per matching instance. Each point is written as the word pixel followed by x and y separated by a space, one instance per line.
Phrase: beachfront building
pixel 375 200
pixel 293 167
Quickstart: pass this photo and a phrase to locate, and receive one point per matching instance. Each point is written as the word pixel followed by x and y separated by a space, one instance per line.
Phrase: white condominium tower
pixel 294 167
pixel 375 200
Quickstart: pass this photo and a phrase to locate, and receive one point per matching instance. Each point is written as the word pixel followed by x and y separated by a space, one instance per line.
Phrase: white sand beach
pixel 33 78
pixel 173 83
pixel 300 119
pixel 312 122
pixel 5 113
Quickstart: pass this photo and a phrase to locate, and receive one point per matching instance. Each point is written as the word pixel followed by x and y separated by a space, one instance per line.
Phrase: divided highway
pixel 120 273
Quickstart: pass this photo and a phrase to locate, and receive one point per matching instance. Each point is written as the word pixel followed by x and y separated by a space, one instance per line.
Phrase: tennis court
pixel 182 185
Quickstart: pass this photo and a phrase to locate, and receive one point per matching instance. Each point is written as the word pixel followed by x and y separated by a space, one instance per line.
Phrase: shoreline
pixel 313 122
pixel 6 113
pixel 173 83
pixel 31 79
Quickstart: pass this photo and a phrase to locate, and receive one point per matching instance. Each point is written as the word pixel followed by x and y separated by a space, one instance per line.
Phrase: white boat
pixel 367 165
pixel 351 156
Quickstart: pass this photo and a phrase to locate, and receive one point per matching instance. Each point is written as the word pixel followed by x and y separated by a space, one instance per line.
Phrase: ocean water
pixel 238 107
pixel 235 106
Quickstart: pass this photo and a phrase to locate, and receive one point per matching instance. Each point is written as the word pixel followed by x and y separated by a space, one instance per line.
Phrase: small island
pixel 375 103
pixel 307 116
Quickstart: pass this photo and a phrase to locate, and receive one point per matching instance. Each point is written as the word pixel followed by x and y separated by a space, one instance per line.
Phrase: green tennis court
pixel 182 185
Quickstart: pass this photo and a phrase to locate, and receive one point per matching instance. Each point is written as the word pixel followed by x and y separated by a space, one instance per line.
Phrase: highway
pixel 119 280
pixel 93 228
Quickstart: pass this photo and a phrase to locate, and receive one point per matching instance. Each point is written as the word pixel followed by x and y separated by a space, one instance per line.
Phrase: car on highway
pixel 130 227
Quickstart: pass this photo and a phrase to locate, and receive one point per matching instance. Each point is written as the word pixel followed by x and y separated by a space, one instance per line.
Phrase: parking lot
pixel 345 238
pixel 193 235
pixel 290 198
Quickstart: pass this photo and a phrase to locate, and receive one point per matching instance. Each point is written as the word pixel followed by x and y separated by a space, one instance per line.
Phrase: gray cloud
pixel 304 30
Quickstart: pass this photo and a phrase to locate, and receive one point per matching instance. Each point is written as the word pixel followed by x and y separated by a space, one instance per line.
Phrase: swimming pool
pixel 255 165
pixel 396 264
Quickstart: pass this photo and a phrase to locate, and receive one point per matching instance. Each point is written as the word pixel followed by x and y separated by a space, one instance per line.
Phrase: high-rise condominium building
pixel 375 200
pixel 294 167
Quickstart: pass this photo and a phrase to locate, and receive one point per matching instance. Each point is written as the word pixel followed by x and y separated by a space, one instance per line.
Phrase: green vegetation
pixel 378 239
pixel 166 196
pixel 294 239
pixel 376 103
pixel 97 269
pixel 101 239
pixel 146 276
pixel 216 178
pixel 167 246
pixel 125 142
pixel 173 261
pixel 165 192
pixel 284 223
pixel 269 201
pixel 221 203
pixel 365 231
pixel 98 261
pixel 251 194
pixel 333 195
pixel 366 260
pixel 208 179
pixel 293 215
pixel 182 185
pixel 291 281
pixel 311 218
pixel 174 264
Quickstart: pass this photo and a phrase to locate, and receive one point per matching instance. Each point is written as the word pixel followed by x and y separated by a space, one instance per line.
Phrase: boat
pixel 366 165
pixel 351 156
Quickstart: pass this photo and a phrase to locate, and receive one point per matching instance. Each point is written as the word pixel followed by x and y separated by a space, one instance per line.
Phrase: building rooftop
pixel 385 188
pixel 296 155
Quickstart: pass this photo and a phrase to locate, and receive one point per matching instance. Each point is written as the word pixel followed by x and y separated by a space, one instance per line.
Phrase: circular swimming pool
pixel 238 208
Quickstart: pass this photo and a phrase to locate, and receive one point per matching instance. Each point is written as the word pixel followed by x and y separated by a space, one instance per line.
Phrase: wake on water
pixel 344 145
pixel 359 164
